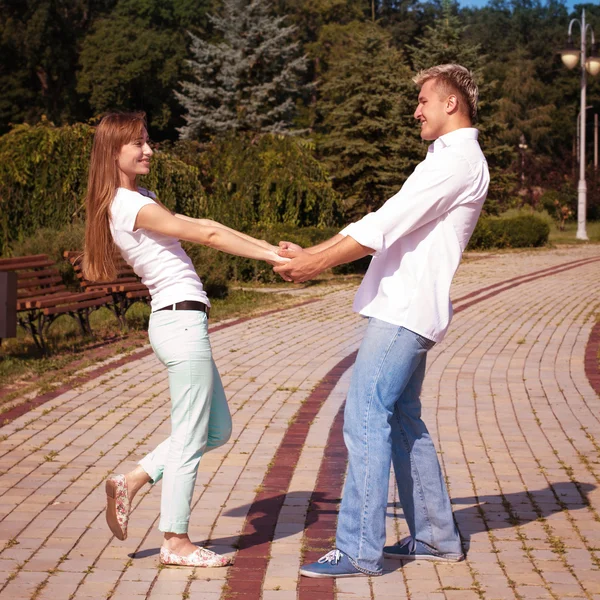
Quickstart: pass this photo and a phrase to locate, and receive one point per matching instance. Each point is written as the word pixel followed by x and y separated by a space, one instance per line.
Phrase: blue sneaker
pixel 333 564
pixel 409 549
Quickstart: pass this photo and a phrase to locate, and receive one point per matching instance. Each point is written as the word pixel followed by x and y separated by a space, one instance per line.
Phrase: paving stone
pixel 506 399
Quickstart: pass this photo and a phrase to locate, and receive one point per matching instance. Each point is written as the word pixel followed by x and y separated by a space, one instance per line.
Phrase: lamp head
pixel 592 63
pixel 570 55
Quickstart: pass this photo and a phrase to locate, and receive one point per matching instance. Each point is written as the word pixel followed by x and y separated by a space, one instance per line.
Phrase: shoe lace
pixel 332 557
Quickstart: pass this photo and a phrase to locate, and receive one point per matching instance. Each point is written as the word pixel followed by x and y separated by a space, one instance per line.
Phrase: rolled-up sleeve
pixel 436 186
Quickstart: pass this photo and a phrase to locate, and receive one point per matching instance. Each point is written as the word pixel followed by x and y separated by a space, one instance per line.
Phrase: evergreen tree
pixel 39 43
pixel 250 80
pixel 445 43
pixel 369 140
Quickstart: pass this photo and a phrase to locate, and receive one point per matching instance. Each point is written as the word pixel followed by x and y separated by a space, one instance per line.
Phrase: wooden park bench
pixel 42 296
pixel 124 290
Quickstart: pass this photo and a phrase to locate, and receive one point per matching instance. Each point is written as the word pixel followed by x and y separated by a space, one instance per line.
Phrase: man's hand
pixel 289 246
pixel 307 264
pixel 302 267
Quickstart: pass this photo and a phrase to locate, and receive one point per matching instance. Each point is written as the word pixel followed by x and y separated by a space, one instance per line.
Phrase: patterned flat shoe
pixel 200 558
pixel 117 506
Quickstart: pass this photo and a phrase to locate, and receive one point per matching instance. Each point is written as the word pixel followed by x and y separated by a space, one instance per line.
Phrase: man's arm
pixel 306 265
pixel 312 249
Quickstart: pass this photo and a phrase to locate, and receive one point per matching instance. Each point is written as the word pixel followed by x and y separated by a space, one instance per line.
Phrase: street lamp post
pixel 570 57
pixel 522 148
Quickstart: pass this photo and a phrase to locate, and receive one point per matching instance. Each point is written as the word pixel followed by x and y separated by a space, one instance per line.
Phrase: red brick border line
pixel 321 519
pixel 18 411
pixel 592 347
pixel 524 279
pixel 572 264
pixel 245 577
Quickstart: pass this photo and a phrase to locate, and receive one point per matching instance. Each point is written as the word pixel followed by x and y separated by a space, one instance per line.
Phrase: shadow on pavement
pixel 501 512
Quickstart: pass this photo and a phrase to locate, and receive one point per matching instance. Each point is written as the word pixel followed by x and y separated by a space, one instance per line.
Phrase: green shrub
pixel 267 180
pixel 54 242
pixel 522 231
pixel 216 269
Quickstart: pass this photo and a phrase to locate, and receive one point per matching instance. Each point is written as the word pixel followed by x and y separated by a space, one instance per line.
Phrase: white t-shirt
pixel 419 236
pixel 158 259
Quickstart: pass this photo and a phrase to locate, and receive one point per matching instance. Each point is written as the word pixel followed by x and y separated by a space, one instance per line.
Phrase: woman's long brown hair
pixel 112 133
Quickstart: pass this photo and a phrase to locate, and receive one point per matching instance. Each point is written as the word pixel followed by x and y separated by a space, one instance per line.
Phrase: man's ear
pixel 451 104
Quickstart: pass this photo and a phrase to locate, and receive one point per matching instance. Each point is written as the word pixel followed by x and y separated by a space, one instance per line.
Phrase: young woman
pixel 121 215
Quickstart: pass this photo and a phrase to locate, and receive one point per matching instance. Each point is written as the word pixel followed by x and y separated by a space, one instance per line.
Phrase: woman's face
pixel 134 158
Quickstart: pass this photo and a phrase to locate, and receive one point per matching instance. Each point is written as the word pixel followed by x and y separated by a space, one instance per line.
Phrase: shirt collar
pixel 454 137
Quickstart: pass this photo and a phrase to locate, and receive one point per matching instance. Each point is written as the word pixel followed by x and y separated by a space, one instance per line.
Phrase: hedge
pixel 216 269
pixel 263 180
pixel 268 180
pixel 524 231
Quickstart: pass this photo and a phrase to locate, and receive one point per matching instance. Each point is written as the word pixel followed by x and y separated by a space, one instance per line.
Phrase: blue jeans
pixel 200 418
pixel 382 422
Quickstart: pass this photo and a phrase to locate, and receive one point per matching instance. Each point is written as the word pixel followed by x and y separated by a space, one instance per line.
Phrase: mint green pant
pixel 200 417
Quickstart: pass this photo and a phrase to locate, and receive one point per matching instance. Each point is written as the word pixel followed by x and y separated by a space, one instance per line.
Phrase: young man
pixel 416 238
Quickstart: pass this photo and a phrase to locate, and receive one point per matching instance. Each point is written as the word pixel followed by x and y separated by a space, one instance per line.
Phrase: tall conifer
pixel 369 140
pixel 250 80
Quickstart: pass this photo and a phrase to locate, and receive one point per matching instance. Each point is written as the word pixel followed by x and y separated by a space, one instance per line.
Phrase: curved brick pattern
pixel 506 396
pixel 591 358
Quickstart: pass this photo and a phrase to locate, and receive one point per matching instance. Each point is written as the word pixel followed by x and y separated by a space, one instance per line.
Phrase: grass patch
pixel 568 235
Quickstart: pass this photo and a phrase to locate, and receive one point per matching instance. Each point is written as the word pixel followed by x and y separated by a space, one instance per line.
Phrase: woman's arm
pixel 209 222
pixel 154 218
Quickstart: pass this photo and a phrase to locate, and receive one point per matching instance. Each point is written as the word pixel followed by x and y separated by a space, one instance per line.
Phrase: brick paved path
pixel 506 397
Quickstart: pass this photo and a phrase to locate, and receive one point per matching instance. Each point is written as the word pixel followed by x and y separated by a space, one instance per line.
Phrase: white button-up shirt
pixel 419 236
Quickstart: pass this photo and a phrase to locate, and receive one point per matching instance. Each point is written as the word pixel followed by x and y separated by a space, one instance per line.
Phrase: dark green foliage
pixel 268 180
pixel 134 57
pixel 39 45
pixel 369 140
pixel 217 269
pixel 526 231
pixel 43 180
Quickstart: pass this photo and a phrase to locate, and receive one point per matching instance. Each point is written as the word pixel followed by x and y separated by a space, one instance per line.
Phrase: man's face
pixel 431 112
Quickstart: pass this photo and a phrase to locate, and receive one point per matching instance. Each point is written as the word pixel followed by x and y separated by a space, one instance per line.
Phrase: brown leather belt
pixel 187 305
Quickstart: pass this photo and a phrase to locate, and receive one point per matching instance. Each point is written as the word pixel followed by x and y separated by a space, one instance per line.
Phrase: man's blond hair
pixel 453 79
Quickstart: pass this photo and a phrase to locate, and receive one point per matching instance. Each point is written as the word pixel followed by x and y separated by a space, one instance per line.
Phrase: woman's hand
pixel 274 259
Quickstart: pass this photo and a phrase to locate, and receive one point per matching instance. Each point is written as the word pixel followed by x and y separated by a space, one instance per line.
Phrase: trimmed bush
pixel 268 180
pixel 54 242
pixel 216 269
pixel 524 231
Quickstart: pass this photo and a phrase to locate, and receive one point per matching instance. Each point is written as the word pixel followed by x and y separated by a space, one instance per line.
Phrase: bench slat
pixel 77 306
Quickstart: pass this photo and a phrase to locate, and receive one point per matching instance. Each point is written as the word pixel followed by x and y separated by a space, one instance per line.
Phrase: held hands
pixel 274 258
pixel 302 266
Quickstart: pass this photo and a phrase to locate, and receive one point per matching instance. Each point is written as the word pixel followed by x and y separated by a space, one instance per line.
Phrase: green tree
pixel 133 58
pixel 368 140
pixel 39 42
pixel 250 80
pixel 445 42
